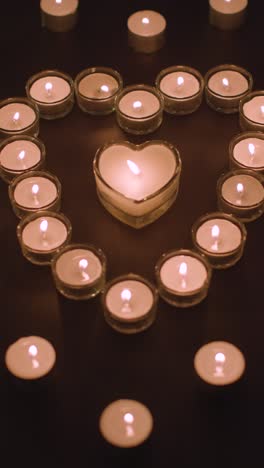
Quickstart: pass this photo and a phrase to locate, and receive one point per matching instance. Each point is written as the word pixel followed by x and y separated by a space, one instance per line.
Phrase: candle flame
pixel 44 226
pixel 183 269
pixel 215 231
pixel 16 117
pixel 180 81
pixel 220 358
pixel 48 87
pixel 21 155
pixel 104 88
pixel 129 418
pixel 145 20
pixel 58 2
pixel 35 189
pixel 33 350
pixel 251 149
pixel 225 82
pixel 126 295
pixel 133 167
pixel 240 188
pixel 262 110
pixel 83 264
pixel 137 104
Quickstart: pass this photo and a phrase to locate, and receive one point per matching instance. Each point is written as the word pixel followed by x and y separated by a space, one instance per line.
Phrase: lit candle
pixel 79 271
pixel 219 363
pixel 30 358
pixel 18 116
pixel 59 15
pixel 146 31
pixel 227 14
pixel 133 182
pixel 252 112
pixel 246 151
pixel 129 303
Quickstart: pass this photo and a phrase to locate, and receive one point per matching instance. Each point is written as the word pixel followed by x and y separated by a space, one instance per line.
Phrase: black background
pixel 195 426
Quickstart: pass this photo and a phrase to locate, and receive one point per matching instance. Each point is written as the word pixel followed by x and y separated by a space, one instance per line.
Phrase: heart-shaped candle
pixel 137 183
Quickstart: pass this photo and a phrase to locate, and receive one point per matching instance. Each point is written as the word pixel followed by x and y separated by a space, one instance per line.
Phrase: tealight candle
pixel 35 191
pixel 59 15
pixel 225 86
pixel 30 358
pixel 129 303
pixel 53 93
pixel 96 89
pixel 79 271
pixel 18 116
pixel 227 14
pixel 219 363
pixel 246 151
pixel 183 277
pixel 221 237
pixel 19 155
pixel 139 109
pixel 251 112
pixel 146 31
pixel 182 89
pixel 41 235
pixel 137 184
pixel 241 193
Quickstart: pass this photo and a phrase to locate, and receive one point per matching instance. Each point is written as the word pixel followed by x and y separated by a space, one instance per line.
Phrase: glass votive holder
pixel 18 116
pixel 219 363
pixel 139 109
pixel 59 15
pixel 183 277
pixel 96 89
pixel 227 14
pixel 20 154
pixel 129 303
pixel 182 89
pixel 246 151
pixel 79 271
pixel 221 238
pixel 241 193
pixel 137 183
pixel 146 31
pixel 42 235
pixel 225 86
pixel 251 112
pixel 53 92
pixel 35 191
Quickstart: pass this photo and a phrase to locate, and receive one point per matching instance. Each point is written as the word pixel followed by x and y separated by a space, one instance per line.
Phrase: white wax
pixel 194 279
pixel 228 7
pixel 150 104
pixel 66 7
pixel 46 195
pixel 188 88
pixel 126 423
pixel 26 116
pixel 219 363
pixel 252 109
pixel 98 86
pixel 30 357
pixel 9 156
pixel 253 191
pixel 230 236
pixel 237 83
pixel 60 89
pixel 156 163
pixel 69 271
pixel 140 304
pixel 242 154
pixel 35 239
pixel 146 23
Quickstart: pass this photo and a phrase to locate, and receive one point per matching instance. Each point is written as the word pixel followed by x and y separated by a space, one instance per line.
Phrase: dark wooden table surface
pixel 194 426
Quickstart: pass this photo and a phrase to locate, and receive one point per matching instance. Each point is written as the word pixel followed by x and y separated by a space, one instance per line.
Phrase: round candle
pixel 228 83
pixel 98 86
pixel 219 236
pixel 35 192
pixel 229 6
pixel 249 152
pixel 179 85
pixel 219 363
pixel 50 89
pixel 254 109
pixel 78 267
pixel 16 116
pixel 126 423
pixel 129 300
pixel 59 7
pixel 183 274
pixel 139 104
pixel 20 155
pixel 227 14
pixel 44 234
pixel 30 358
pixel 242 190
pixel 146 31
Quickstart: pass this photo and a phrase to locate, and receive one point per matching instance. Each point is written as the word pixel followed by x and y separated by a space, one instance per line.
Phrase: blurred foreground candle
pixel 227 14
pixel 41 236
pixel 139 109
pixel 35 191
pixel 146 31
pixel 251 112
pixel 241 193
pixel 225 86
pixel 18 116
pixel 130 303
pixel 137 183
pixel 59 15
pixel 96 89
pixel 19 155
pixel 221 237
pixel 30 358
pixel 126 423
pixel 79 271
pixel 246 151
pixel 219 363
pixel 183 277
pixel 53 93
pixel 182 89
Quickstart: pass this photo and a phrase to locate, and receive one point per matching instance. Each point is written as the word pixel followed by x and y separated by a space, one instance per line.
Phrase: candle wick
pixel 83 264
